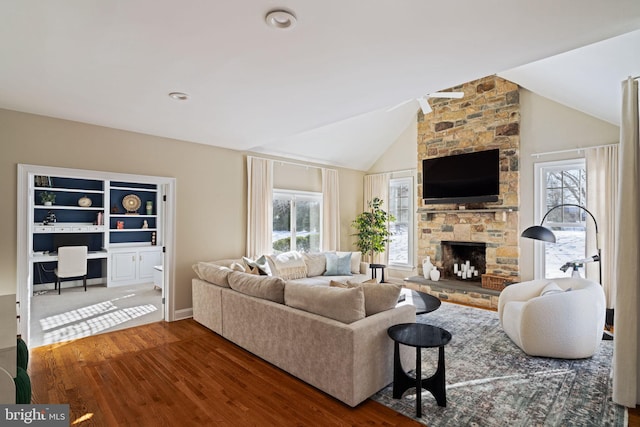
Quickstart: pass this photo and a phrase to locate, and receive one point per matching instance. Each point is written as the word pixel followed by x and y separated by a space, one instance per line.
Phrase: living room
pixel 211 208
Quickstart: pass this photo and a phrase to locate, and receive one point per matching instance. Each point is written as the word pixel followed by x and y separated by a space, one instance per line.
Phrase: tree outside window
pixel 401 207
pixel 564 182
pixel 297 221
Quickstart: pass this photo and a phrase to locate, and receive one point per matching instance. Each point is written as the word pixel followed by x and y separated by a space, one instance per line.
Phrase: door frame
pixel 24 286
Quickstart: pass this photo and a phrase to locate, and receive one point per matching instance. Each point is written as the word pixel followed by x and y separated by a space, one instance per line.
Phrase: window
pixel 297 221
pixel 401 207
pixel 560 183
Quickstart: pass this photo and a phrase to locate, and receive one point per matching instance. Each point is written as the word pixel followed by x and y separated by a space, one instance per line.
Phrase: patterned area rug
pixel 491 382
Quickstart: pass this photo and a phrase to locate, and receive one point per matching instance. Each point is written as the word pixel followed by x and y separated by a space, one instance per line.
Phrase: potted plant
pixel 47 198
pixel 373 229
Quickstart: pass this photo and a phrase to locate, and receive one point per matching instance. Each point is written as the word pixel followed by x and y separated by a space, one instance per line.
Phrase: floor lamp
pixel 539 232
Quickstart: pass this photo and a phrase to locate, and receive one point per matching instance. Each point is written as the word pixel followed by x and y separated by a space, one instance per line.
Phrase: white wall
pixel 548 126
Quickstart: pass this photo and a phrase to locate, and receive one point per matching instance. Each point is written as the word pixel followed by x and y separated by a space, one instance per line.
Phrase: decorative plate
pixel 131 203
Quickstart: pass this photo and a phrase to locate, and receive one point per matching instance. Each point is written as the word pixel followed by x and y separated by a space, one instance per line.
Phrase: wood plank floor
pixel 182 374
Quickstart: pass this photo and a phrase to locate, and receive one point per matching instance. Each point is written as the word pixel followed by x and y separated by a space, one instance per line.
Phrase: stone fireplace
pixel 487 117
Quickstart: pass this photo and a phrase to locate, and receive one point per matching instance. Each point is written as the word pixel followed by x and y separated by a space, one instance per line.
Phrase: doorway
pixel 113 300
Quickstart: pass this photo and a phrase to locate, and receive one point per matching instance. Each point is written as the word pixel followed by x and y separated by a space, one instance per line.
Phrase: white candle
pixel 455 268
pixel 468 265
pixel 459 273
pixel 464 275
pixel 475 273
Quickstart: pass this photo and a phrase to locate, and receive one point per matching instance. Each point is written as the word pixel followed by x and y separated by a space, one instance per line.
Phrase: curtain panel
pixel 626 372
pixel 259 206
pixel 330 210
pixel 377 186
pixel 602 193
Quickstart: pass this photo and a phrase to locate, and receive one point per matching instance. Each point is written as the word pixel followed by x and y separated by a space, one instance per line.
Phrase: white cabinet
pixel 133 265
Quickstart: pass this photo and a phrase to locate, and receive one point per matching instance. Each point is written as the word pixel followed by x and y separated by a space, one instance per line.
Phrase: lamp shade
pixel 539 232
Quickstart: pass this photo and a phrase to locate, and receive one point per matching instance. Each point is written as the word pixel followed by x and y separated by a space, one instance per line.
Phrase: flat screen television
pixel 462 178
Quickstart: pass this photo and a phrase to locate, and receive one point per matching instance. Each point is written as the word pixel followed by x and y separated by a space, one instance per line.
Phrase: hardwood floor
pixel 182 374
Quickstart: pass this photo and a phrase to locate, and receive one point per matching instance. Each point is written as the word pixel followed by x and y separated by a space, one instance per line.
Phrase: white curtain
pixel 259 206
pixel 602 193
pixel 330 210
pixel 626 372
pixel 377 186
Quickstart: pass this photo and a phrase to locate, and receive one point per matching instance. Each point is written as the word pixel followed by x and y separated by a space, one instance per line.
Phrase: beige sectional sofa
pixel 316 332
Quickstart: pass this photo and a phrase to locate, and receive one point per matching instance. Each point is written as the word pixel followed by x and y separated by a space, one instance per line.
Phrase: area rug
pixel 491 382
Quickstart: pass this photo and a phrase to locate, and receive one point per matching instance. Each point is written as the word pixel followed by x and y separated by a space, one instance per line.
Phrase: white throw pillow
pixel 316 263
pixel 289 265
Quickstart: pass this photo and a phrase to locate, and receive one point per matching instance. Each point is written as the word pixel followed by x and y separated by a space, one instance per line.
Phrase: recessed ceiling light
pixel 280 19
pixel 179 96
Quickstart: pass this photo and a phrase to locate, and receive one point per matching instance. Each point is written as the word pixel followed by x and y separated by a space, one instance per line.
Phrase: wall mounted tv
pixel 462 178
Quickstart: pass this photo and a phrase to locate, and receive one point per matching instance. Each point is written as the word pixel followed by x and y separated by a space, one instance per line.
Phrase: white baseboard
pixel 185 313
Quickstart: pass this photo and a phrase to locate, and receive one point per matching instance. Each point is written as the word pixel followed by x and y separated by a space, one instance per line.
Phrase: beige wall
pixel 211 185
pixel 401 155
pixel 548 126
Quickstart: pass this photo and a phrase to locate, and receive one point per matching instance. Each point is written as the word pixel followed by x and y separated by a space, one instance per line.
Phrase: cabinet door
pixel 123 266
pixel 147 260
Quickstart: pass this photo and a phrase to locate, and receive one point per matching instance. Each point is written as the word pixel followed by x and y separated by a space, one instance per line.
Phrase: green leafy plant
pixel 373 229
pixel 47 197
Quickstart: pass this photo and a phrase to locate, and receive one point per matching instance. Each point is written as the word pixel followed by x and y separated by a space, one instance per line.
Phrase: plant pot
pixel 48 203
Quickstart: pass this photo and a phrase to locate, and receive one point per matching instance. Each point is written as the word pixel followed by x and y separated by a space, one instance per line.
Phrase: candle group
pixel 465 270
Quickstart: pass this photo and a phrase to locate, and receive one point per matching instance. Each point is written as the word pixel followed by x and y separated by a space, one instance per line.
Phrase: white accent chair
pixel 72 262
pixel 567 322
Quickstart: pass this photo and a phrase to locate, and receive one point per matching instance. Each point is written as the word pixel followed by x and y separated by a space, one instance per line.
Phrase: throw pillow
pixel 289 265
pixel 236 266
pixel 338 265
pixel 551 288
pixel 316 264
pixel 378 297
pixel 261 264
pixel 335 284
pixel 269 288
pixel 356 257
pixel 343 305
pixel 212 273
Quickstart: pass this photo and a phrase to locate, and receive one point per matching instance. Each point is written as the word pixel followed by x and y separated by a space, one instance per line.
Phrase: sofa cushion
pixel 356 257
pixel 338 265
pixel 343 305
pixel 378 297
pixel 316 263
pixel 261 264
pixel 289 265
pixel 212 273
pixel 269 288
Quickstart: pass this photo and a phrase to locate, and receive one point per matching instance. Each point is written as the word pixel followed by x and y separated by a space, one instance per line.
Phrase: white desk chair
pixel 72 262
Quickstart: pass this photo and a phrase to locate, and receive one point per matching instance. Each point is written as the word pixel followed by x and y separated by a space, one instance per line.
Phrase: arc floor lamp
pixel 540 232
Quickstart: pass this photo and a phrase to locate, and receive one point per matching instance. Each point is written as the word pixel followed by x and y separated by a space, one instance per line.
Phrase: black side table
pixel 420 336
pixel 374 268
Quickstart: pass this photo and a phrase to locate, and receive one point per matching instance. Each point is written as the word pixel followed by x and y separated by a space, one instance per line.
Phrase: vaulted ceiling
pixel 320 91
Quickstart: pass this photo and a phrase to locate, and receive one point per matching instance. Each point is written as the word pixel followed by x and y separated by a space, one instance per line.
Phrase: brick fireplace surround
pixel 487 117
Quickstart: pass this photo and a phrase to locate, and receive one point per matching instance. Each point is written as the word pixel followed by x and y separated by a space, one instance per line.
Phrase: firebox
pixel 464 260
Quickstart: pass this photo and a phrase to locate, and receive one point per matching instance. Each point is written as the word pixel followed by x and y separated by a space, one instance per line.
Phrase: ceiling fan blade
pixel 424 105
pixel 456 95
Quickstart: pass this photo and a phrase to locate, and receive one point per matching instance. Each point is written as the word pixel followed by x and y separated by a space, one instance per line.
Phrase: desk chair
pixel 72 262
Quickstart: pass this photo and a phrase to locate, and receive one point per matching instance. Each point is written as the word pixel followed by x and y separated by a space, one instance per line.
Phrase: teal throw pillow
pixel 261 264
pixel 338 264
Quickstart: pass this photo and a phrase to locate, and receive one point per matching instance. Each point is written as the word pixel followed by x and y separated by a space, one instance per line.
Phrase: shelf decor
pixel 47 198
pixel 84 202
pixel 131 204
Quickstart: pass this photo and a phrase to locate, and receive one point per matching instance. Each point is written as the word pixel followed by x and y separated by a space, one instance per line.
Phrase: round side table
pixel 420 336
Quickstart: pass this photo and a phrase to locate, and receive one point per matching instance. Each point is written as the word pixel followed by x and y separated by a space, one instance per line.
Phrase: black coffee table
pixel 424 303
pixel 420 336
